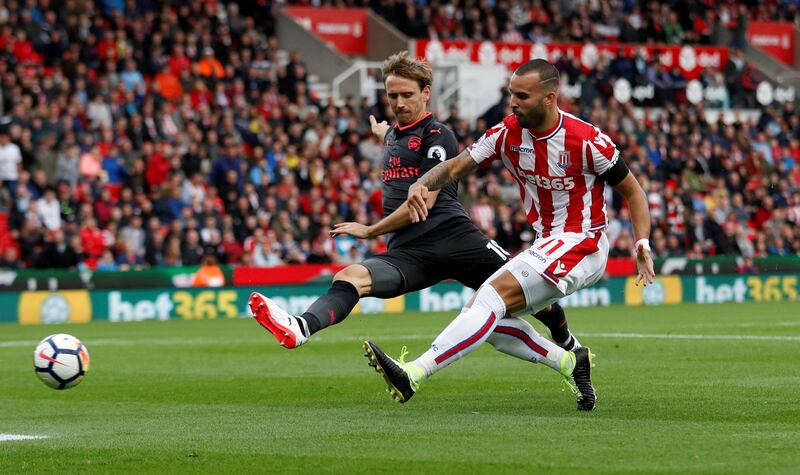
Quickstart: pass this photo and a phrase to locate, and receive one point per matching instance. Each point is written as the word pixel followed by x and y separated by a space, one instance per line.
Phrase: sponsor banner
pixel 191 304
pixel 344 28
pixel 147 304
pixel 774 38
pixel 162 277
pixel 231 302
pixel 66 306
pixel 753 288
pixel 80 306
pixel 689 59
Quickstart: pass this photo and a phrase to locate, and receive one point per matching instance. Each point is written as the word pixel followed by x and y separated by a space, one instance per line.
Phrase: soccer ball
pixel 61 361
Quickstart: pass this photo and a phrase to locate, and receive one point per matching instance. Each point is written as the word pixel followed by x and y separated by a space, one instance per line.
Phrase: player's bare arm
pixel 437 178
pixel 399 219
pixel 630 189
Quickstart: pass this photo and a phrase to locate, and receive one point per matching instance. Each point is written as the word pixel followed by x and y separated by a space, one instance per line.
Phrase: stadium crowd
pixel 598 21
pixel 137 134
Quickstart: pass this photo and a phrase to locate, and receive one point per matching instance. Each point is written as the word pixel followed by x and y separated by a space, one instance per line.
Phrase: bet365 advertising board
pixel 79 306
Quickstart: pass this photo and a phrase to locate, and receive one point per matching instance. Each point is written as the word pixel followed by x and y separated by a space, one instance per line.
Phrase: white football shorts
pixel 567 261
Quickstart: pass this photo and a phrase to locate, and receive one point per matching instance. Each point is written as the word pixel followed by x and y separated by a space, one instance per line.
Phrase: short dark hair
pixel 404 66
pixel 545 69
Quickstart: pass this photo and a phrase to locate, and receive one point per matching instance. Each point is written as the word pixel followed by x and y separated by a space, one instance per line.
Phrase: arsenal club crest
pixel 564 160
pixel 414 143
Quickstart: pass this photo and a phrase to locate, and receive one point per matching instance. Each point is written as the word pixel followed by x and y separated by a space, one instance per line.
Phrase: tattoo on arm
pixel 437 177
pixel 448 172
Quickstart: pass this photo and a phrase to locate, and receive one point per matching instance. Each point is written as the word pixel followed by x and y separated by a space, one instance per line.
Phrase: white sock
pixel 466 333
pixel 516 337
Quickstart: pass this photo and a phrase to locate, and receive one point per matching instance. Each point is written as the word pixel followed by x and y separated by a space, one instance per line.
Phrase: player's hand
pixel 379 129
pixel 356 230
pixel 644 267
pixel 417 202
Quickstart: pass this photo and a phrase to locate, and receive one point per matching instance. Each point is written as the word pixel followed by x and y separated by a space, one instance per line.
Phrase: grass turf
pixel 221 396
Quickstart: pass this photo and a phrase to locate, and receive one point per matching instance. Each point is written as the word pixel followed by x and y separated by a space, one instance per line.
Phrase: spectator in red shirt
pixel 232 248
pixel 158 166
pixel 91 242
pixel 23 49
pixel 178 61
pixel 763 213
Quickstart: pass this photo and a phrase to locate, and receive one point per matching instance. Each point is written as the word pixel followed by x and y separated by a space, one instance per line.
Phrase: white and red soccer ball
pixel 61 361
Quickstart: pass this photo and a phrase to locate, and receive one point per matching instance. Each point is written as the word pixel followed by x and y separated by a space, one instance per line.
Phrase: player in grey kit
pixel 447 245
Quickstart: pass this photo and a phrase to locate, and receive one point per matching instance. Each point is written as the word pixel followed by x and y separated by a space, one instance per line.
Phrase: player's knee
pixel 357 275
pixel 490 299
pixel 510 291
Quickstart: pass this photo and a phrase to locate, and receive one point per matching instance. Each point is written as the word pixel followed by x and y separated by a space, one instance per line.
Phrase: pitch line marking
pixel 13 437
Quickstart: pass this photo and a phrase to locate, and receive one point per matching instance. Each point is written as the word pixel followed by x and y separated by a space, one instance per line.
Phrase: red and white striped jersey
pixel 556 171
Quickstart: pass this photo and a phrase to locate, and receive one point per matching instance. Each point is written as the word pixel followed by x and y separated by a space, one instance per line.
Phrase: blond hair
pixel 401 64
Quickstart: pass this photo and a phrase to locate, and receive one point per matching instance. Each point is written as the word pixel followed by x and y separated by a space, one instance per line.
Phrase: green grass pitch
pixel 682 389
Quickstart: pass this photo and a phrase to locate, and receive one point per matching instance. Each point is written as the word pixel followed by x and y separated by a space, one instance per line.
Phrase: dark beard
pixel 534 118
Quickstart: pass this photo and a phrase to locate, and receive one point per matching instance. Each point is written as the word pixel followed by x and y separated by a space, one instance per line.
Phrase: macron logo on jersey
pixel 515 148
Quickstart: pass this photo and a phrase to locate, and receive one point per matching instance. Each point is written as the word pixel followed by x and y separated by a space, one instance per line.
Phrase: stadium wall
pixel 125 305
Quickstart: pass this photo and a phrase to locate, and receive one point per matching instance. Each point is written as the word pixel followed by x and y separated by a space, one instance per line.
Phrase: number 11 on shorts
pixel 492 245
pixel 556 244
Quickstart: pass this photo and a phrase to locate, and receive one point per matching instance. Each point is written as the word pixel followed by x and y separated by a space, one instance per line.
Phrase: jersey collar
pixel 421 121
pixel 549 133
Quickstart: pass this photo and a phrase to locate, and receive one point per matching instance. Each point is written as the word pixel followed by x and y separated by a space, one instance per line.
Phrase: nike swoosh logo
pixel 47 358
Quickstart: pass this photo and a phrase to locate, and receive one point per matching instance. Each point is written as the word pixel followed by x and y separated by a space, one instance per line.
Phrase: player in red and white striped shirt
pixel 561 164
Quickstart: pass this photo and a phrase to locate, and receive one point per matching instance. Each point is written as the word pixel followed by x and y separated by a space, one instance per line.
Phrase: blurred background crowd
pixel 627 21
pixel 143 133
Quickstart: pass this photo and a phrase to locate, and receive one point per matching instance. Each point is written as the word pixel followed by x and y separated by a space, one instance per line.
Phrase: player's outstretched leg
pixel 289 330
